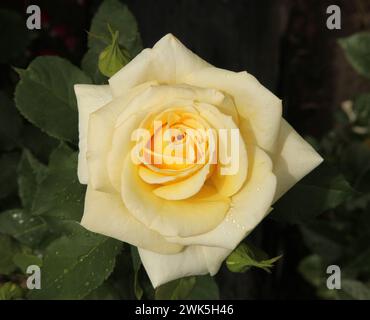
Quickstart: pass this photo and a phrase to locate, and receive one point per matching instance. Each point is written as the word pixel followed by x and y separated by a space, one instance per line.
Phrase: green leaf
pixel 122 278
pixel 30 173
pixel 8 173
pixel 146 285
pixel 323 239
pixel 14 35
pixel 136 263
pixel 24 260
pixel 60 194
pixel 357 50
pixel 205 288
pixel 119 17
pixel 44 146
pixel 10 291
pixel 24 227
pixel 89 65
pixel 246 256
pixel 359 265
pixel 8 249
pixel 321 190
pixel 361 108
pixel 176 290
pixel 355 289
pixel 189 288
pixel 355 161
pixel 45 96
pixel 10 124
pixel 76 264
pixel 112 58
pixel 106 291
pixel 312 268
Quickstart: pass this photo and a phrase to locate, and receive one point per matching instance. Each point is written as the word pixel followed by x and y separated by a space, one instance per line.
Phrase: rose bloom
pixel 185 218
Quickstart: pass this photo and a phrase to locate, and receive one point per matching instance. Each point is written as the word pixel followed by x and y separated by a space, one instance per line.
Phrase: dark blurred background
pixel 285 44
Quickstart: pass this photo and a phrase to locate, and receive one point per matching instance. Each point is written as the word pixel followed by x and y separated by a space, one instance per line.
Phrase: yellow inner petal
pixel 180 152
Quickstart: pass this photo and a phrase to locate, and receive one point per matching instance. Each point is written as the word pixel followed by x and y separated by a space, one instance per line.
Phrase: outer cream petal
pixel 120 146
pixel 194 260
pixel 248 207
pixel 164 95
pixel 99 139
pixel 260 110
pixel 192 216
pixel 294 159
pixel 168 62
pixel 106 214
pixel 89 99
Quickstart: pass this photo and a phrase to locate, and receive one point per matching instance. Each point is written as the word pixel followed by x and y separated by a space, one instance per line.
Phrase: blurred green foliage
pixel 342 235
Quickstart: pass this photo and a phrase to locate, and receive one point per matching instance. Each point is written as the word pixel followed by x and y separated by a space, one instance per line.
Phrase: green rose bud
pixel 247 256
pixel 113 58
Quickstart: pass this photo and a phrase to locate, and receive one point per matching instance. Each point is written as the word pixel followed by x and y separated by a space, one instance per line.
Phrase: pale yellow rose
pixel 185 220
